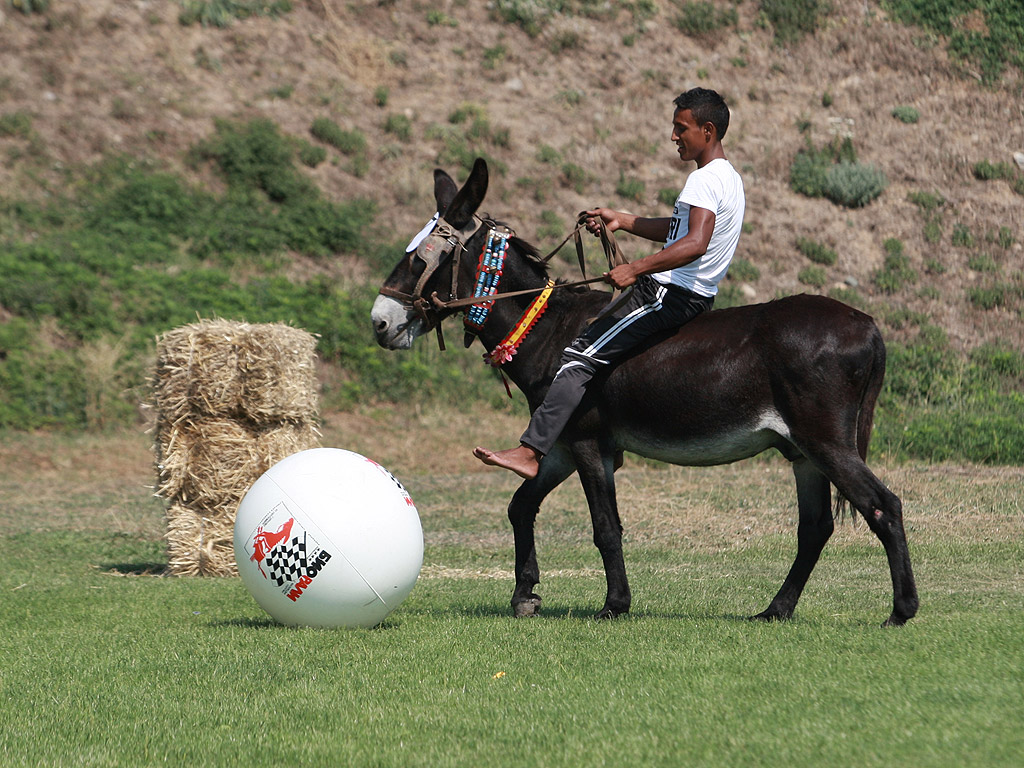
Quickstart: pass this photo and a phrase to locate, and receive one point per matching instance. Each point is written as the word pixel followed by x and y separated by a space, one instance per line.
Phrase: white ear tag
pixel 422 234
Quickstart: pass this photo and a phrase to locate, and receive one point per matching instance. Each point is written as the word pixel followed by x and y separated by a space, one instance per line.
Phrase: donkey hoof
pixel 609 613
pixel 894 621
pixel 528 607
pixel 770 615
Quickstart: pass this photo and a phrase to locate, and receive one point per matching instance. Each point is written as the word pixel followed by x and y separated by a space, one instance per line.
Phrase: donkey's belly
pixel 721 445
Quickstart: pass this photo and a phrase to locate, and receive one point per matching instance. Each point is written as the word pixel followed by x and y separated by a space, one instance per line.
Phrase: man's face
pixel 690 138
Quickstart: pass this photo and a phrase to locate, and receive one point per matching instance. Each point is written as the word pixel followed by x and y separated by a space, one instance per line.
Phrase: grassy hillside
pixel 267 160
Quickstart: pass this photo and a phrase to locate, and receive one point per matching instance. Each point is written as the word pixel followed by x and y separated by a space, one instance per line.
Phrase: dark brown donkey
pixel 800 374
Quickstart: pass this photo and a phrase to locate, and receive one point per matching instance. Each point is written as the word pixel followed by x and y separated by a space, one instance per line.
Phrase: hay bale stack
pixel 231 400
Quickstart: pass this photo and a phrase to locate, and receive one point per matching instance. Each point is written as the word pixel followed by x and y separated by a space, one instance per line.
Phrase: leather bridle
pixel 434 309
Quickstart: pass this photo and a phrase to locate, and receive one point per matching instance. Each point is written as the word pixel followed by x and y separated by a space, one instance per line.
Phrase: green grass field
pixel 103 662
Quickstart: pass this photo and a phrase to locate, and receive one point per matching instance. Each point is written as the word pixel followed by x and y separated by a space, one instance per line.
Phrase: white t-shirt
pixel 718 188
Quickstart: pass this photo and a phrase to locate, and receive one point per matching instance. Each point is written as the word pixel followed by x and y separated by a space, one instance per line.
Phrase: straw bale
pixel 279 374
pixel 198 370
pixel 199 545
pixel 231 400
pixel 221 461
pixel 279 442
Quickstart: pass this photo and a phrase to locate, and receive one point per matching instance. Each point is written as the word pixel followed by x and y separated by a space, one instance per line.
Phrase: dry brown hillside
pixel 593 94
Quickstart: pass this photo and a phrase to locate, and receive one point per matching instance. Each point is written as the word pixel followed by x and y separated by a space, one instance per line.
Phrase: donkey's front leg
pixel 522 512
pixel 596 465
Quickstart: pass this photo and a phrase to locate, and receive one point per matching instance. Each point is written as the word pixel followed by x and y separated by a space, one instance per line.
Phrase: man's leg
pixel 603 342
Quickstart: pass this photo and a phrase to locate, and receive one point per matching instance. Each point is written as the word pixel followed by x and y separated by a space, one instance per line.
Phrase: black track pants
pixel 651 307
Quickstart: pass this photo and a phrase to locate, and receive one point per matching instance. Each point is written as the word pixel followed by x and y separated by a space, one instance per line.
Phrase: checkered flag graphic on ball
pixel 287 561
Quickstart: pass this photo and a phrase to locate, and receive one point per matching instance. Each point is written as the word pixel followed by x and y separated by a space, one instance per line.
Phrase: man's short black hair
pixel 707 107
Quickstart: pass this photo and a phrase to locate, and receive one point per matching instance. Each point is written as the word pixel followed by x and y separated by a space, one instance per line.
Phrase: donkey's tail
pixel 869 396
pixel 872 387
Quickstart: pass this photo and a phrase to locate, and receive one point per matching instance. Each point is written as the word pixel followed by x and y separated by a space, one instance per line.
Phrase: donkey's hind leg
pixel 814 501
pixel 522 513
pixel 883 512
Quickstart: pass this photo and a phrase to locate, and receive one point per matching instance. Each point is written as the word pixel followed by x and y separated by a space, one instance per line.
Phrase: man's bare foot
pixel 524 461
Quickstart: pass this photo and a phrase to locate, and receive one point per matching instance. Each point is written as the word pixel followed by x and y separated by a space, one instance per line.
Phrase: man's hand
pixel 613 220
pixel 621 276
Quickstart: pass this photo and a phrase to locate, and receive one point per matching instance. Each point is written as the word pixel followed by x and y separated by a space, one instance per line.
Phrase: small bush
pixel 962 236
pixel 982 262
pixel 808 171
pixel 494 56
pixel 792 20
pixel 743 269
pixel 577 177
pixel 346 142
pixel 905 114
pixel 988 297
pixel 398 125
pixel 31 6
pixel 814 276
pixel 896 271
pixel 987 171
pixel 668 196
pixel 699 18
pixel 16 125
pixel 222 13
pixel 808 174
pixel 437 18
pixel 926 201
pixel 816 252
pixel 255 155
pixel 854 185
pixel 310 154
pixel 631 188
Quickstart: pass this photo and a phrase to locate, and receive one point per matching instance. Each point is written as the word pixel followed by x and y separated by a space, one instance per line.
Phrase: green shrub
pixel 926 201
pixel 988 297
pixel 816 252
pixel 987 171
pixel 906 114
pixel 742 269
pixel 808 174
pixel 982 262
pixel 896 271
pixel 853 185
pixel 962 236
pixel 399 125
pixel 221 13
pixel 255 155
pixel 792 20
pixel 849 296
pixel 329 132
pixel 630 188
pixel 437 18
pixel 988 48
pixel 494 56
pixel 16 125
pixel 701 18
pixel 31 6
pixel 814 276
pixel 310 154
pixel 529 15
pixel 668 196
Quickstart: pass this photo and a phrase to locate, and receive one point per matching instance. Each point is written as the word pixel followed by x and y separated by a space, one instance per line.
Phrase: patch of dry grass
pixel 105 482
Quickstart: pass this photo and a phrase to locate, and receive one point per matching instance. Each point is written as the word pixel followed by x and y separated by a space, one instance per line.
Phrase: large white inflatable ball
pixel 328 538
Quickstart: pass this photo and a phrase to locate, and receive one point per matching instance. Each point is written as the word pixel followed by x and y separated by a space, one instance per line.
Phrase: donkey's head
pixel 404 310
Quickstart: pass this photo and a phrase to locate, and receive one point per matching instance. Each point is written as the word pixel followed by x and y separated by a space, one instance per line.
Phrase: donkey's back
pixel 794 373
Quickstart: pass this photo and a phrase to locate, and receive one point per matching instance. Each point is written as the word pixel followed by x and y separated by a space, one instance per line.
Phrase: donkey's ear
pixel 460 212
pixel 444 190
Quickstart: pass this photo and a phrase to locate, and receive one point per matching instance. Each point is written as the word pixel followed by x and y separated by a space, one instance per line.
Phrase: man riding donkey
pixel 669 288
